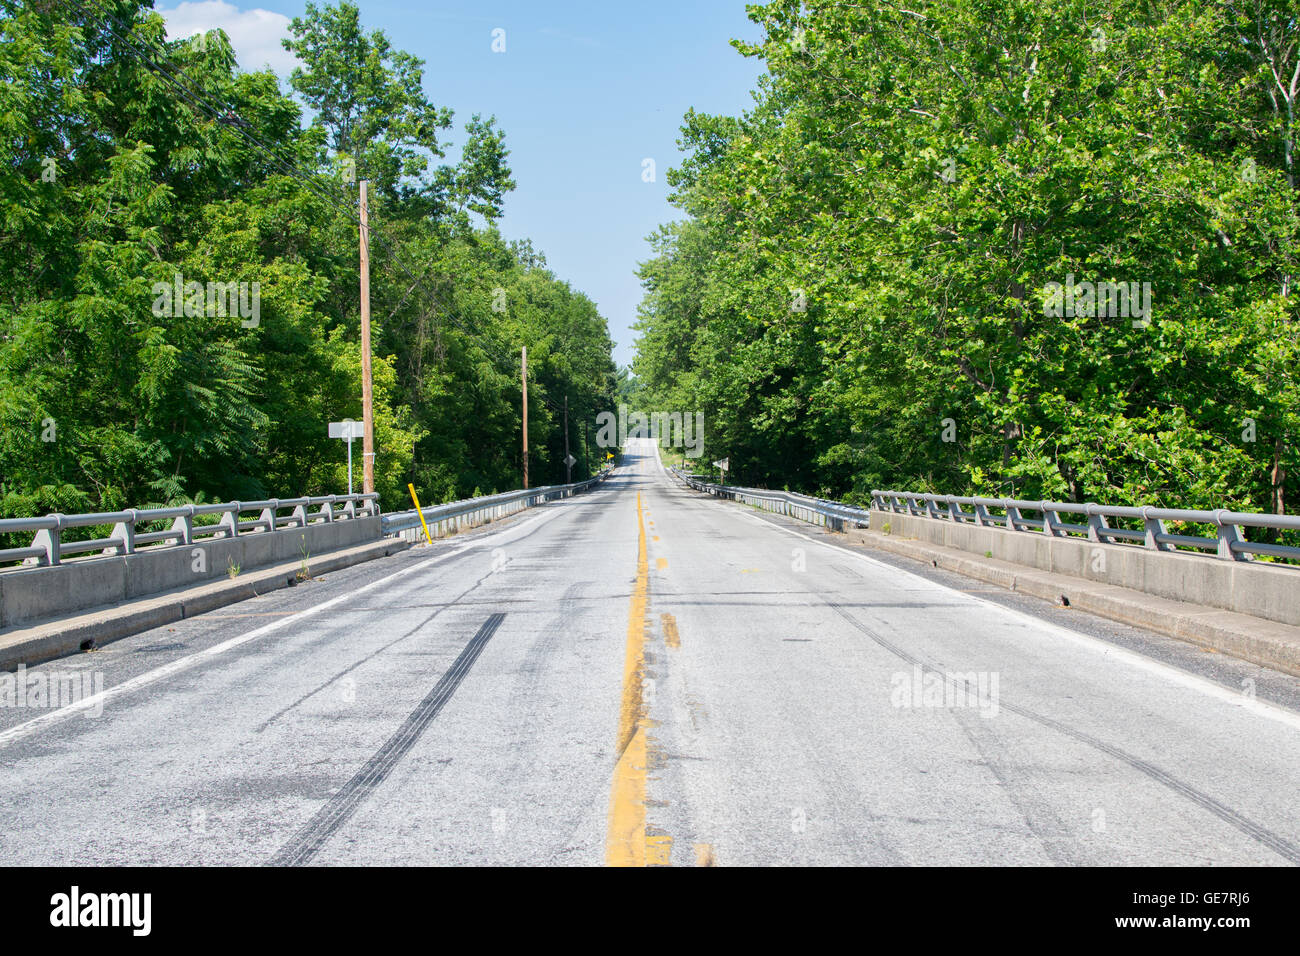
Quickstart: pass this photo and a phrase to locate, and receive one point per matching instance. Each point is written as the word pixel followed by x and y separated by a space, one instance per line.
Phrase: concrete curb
pixel 71 633
pixel 1263 642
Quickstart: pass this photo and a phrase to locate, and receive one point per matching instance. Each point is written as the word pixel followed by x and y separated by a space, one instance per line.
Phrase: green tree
pixel 123 170
pixel 859 296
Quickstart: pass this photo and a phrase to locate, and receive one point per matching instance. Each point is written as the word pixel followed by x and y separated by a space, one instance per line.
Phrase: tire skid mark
pixel 438 609
pixel 339 809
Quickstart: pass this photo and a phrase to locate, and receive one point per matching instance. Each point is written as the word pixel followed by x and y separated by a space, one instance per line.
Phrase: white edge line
pixel 1120 654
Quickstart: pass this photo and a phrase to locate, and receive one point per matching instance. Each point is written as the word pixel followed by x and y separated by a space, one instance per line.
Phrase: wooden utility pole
pixel 367 392
pixel 568 469
pixel 523 378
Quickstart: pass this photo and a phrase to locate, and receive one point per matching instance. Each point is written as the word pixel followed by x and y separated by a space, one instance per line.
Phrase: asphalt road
pixel 642 675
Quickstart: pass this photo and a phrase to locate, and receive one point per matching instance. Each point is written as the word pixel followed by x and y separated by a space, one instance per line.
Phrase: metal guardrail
pixel 834 514
pixel 48 548
pixel 487 506
pixel 1229 542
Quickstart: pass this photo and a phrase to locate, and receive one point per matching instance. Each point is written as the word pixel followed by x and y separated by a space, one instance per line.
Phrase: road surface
pixel 646 676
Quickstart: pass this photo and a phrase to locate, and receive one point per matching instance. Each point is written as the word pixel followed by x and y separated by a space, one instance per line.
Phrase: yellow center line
pixel 627 841
pixel 671 637
pixel 704 855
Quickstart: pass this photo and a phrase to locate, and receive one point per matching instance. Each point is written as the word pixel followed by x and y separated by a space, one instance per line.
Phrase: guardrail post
pixel 982 515
pixel 1014 518
pixel 1051 522
pixel 185 525
pixel 49 539
pixel 125 530
pixel 1097 526
pixel 1154 529
pixel 931 510
pixel 300 515
pixel 1229 535
pixel 268 515
pixel 230 521
pixel 954 510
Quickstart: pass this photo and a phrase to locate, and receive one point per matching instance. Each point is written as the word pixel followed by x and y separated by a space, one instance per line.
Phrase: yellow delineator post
pixel 420 513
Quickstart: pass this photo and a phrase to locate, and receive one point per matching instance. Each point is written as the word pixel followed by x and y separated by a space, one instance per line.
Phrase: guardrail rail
pixel 833 514
pixel 476 510
pixel 1230 541
pixel 48 547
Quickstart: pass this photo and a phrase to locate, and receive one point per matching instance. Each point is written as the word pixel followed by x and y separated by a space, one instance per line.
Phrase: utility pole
pixel 568 468
pixel 367 393
pixel 523 378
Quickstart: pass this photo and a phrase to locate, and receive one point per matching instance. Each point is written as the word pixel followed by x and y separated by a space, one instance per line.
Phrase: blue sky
pixel 586 91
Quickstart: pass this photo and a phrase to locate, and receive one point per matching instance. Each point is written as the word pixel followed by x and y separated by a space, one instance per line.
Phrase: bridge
pixel 650 669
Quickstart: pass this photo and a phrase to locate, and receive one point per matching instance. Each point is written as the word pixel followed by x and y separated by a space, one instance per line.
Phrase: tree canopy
pixel 864 289
pixel 132 161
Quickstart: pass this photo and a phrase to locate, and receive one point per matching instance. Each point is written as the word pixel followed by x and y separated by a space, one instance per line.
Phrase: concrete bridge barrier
pixel 36 593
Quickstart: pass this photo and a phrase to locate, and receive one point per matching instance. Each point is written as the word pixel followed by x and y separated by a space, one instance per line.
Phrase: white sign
pixel 725 464
pixel 570 461
pixel 347 429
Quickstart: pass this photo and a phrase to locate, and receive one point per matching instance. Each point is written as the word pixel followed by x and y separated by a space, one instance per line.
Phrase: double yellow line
pixel 627 843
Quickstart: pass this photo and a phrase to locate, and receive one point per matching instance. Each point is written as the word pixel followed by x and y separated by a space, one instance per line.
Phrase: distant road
pixel 642 675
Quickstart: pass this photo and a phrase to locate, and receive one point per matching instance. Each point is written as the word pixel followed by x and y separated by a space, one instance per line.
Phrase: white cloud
pixel 255 34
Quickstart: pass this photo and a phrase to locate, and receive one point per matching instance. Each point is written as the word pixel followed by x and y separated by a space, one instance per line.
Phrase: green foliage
pixel 113 182
pixel 866 254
